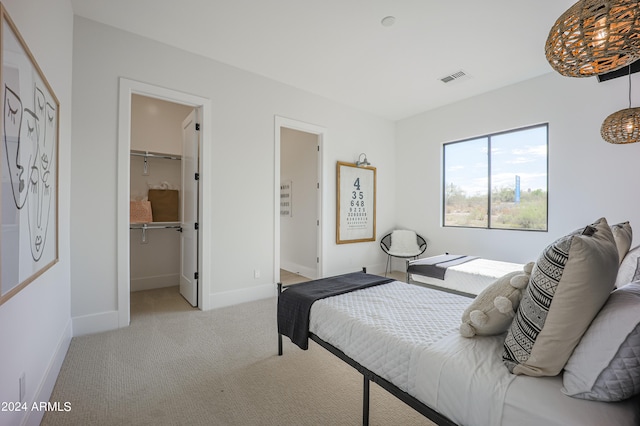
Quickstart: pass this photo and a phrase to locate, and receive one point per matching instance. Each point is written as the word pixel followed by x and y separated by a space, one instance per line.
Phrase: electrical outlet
pixel 22 382
pixel 256 273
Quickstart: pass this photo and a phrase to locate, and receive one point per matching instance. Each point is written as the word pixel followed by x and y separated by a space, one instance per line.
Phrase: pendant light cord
pixel 629 86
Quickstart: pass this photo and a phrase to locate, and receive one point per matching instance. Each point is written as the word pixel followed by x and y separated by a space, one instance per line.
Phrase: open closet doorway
pixel 161 157
pixel 299 199
pixel 164 155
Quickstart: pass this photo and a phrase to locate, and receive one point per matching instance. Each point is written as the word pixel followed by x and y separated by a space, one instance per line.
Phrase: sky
pixel 520 152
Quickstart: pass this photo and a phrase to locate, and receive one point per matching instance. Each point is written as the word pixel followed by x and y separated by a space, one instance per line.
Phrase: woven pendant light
pixel 594 37
pixel 623 126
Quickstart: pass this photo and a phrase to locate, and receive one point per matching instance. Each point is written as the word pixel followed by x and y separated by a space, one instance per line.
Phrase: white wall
pixel 588 178
pixel 156 125
pixel 35 324
pixel 244 107
pixel 298 232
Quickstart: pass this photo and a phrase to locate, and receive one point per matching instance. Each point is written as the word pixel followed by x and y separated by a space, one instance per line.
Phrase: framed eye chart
pixel 356 203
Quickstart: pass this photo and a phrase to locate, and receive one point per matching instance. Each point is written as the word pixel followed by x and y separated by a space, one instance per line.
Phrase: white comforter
pixel 386 327
pixel 409 335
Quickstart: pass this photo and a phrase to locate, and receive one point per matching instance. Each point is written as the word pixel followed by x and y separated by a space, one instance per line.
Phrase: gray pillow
pixel 570 282
pixel 622 235
pixel 605 366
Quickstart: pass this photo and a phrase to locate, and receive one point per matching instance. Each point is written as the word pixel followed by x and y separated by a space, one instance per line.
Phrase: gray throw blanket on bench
pixel 294 303
pixel 436 266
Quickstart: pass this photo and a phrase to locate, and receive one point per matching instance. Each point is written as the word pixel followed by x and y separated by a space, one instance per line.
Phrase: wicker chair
pixel 402 244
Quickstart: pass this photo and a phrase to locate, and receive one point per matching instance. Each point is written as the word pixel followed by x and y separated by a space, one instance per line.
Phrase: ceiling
pixel 340 50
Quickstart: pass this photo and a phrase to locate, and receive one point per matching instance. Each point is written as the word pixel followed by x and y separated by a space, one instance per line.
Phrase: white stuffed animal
pixel 492 311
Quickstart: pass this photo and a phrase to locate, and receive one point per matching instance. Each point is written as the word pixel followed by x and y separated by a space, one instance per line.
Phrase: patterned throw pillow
pixel 570 282
pixel 605 366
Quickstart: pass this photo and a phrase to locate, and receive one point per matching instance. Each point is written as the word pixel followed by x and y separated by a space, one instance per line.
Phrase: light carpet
pixel 176 365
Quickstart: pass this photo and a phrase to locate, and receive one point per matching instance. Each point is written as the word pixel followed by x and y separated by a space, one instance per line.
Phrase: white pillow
pixel 605 366
pixel 404 243
pixel 629 268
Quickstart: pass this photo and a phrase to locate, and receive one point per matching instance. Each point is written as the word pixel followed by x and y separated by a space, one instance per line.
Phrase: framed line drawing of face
pixel 28 165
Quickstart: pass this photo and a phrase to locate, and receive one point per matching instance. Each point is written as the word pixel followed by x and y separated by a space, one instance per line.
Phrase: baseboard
pixel 376 269
pixel 95 323
pixel 235 297
pixel 298 269
pixel 157 281
pixel 43 394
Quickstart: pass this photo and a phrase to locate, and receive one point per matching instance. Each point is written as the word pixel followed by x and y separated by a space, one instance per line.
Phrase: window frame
pixel 488 138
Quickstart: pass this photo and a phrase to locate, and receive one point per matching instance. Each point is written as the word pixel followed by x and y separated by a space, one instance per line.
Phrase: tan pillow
pixel 569 284
pixel 492 311
pixel 623 236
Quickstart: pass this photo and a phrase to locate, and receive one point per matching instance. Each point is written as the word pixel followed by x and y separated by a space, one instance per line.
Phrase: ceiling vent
pixel 456 76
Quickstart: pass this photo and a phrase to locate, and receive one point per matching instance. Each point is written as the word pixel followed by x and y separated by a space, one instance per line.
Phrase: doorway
pixel 163 193
pixel 299 190
pixel 129 88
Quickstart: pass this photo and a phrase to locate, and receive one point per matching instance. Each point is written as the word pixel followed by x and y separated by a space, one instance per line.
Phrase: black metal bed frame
pixel 368 377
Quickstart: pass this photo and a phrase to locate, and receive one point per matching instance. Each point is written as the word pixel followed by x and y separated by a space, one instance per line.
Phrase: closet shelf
pixel 144 227
pixel 156 225
pixel 147 154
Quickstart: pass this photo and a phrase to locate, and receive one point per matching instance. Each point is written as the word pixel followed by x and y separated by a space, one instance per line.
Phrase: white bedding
pixel 470 277
pixel 386 327
pixel 408 335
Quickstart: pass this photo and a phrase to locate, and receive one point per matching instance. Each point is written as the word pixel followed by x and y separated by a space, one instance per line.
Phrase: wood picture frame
pixel 356 203
pixel 28 165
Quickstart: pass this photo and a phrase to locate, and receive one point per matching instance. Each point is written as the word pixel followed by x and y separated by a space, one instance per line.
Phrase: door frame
pixel 320 132
pixel 127 88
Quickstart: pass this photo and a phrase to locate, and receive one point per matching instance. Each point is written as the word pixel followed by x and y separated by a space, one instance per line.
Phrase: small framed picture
pixel 286 199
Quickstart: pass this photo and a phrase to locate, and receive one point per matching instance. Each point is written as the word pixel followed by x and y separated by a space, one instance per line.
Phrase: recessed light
pixel 388 21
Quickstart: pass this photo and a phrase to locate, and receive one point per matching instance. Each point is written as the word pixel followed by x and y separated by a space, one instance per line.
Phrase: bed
pixel 462 274
pixel 563 350
pixel 405 338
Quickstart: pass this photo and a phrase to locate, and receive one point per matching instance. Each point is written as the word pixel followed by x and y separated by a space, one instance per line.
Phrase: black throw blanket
pixel 436 266
pixel 294 303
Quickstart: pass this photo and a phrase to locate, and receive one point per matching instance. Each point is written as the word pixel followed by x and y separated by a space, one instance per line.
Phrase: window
pixel 497 181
